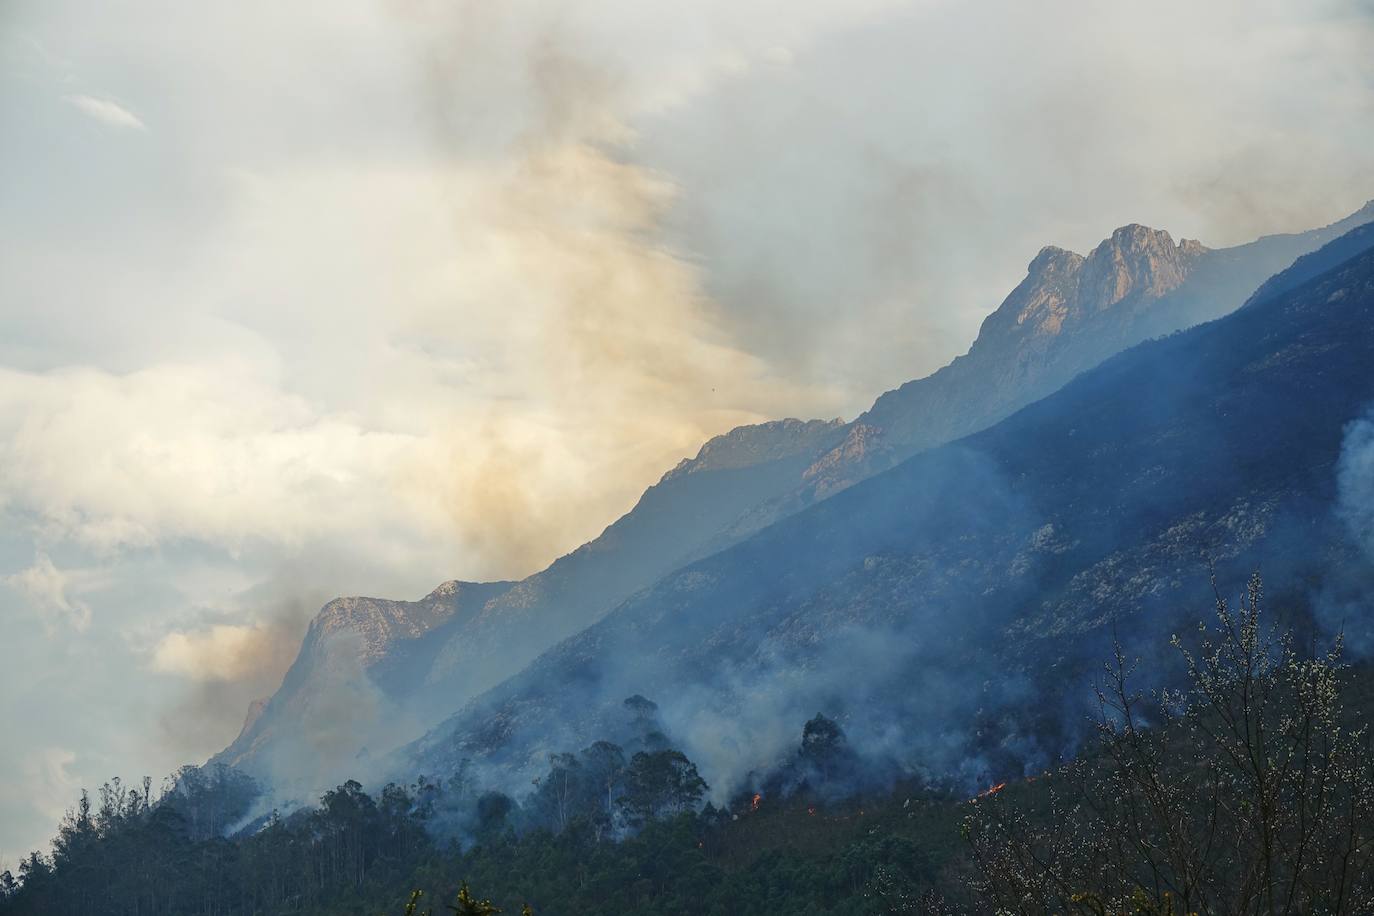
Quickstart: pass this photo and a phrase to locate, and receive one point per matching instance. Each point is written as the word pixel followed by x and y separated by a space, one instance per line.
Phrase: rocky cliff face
pixel 1065 293
pixel 413 662
pixel 354 683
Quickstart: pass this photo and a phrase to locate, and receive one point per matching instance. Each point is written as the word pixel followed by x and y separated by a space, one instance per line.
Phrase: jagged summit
pixel 1063 287
pixel 1135 260
pixel 1070 312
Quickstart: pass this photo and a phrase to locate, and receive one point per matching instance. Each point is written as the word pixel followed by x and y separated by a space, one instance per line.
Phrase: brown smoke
pixel 621 364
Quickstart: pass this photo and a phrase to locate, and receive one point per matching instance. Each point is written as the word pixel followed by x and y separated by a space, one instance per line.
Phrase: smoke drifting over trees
pixel 306 302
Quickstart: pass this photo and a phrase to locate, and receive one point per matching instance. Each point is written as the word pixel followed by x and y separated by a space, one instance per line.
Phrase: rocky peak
pixel 1062 287
pixel 1039 304
pixel 1053 260
pixel 1135 261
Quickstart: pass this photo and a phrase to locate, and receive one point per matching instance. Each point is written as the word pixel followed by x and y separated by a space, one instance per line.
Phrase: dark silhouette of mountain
pixel 945 609
pixel 374 672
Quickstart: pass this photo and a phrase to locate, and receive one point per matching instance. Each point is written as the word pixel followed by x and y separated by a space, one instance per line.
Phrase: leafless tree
pixel 1248 791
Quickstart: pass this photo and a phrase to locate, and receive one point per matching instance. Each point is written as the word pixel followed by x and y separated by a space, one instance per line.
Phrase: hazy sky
pixel 307 299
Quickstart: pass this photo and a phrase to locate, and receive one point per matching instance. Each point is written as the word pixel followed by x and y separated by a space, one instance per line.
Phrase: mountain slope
pixel 940 609
pixel 464 637
pixel 1073 312
pixel 1067 315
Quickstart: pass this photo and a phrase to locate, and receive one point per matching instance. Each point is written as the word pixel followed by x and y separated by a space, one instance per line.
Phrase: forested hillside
pixel 1251 791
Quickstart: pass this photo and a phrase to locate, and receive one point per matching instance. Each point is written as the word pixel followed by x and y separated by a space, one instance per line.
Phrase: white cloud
pixel 208 452
pixel 105 111
pixel 49 590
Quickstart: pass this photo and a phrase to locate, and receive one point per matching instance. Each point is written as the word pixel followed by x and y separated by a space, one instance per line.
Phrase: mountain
pixel 1069 314
pixel 372 672
pixel 1072 312
pixel 945 609
pixel 406 665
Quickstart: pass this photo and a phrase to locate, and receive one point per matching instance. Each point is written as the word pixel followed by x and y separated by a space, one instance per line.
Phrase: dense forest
pixel 1248 790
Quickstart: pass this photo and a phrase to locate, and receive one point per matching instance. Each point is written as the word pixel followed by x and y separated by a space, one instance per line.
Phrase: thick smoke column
pixel 623 364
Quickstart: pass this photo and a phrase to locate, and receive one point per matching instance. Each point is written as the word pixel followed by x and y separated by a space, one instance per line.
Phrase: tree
pixel 642 710
pixel 211 798
pixel 493 810
pixel 1251 792
pixel 401 819
pixel 661 783
pixel 604 766
pixel 560 792
pixel 825 752
pixel 350 825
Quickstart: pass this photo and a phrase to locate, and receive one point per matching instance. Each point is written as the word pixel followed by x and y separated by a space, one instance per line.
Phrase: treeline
pixel 602 831
pixel 1248 790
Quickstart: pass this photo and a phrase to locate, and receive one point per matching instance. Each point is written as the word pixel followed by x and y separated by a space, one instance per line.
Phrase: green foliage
pixel 661 784
pixel 350 856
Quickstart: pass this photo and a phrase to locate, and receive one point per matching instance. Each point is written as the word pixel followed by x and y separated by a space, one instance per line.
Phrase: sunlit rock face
pixel 1136 260
pixel 352 686
pixel 407 664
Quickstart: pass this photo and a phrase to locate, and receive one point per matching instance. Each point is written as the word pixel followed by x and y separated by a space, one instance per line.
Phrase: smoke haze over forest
pixel 299 303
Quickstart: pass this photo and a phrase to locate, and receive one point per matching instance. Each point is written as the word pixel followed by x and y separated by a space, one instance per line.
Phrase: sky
pixel 299 300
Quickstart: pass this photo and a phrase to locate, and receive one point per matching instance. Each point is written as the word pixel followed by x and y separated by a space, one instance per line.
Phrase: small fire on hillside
pixel 989 791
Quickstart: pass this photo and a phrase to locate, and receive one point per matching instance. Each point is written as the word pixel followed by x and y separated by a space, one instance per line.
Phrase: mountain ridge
pixel 748 478
pixel 906 594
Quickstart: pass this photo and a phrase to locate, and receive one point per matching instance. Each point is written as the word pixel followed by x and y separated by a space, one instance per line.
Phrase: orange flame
pixel 990 791
pixel 754 804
